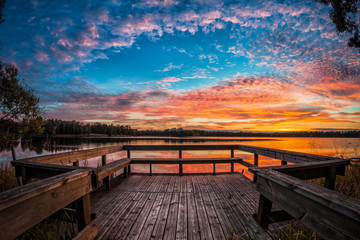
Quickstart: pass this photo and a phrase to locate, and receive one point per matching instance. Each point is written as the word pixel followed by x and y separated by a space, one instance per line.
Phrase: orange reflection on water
pixel 321 146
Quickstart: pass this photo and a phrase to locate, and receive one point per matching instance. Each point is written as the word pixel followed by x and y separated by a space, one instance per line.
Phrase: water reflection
pixel 323 146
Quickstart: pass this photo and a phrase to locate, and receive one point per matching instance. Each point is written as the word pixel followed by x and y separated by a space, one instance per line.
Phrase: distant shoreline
pixel 208 138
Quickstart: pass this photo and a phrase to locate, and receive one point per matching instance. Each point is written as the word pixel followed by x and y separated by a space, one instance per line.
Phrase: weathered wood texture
pixel 70 157
pixel 178 207
pixel 184 160
pixel 23 207
pixel 178 147
pixel 311 170
pixel 108 169
pixel 89 232
pixel 42 170
pixel 283 155
pixel 331 214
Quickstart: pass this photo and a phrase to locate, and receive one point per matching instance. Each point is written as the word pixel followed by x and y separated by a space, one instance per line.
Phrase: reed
pixel 51 229
pixel 7 177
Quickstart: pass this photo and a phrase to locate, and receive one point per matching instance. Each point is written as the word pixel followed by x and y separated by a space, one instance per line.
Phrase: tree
pixel 19 107
pixel 344 15
pixel 2 5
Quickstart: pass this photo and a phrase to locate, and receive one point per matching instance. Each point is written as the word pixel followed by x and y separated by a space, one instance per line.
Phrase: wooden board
pixel 184 160
pixel 175 207
pixel 28 205
pixel 110 168
pixel 74 156
pixel 331 214
pixel 178 147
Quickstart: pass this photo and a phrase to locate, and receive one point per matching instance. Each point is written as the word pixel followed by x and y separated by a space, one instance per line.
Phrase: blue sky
pixel 251 65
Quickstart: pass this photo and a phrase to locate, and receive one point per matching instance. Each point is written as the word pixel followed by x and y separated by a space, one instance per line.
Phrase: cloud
pixel 296 71
pixel 169 67
pixel 255 103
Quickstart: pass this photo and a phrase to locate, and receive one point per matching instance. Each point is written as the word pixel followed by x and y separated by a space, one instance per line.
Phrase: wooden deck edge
pixel 89 232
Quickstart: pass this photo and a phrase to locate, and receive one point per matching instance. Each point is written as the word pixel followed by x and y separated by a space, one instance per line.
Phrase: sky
pixel 212 65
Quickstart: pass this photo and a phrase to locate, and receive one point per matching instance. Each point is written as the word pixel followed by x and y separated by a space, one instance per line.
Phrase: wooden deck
pixel 175 206
pixel 179 207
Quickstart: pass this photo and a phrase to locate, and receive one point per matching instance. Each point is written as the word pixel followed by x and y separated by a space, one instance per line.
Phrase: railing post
pixel 232 164
pixel 180 165
pixel 264 212
pixel 13 153
pixel 150 166
pixel 126 171
pixel 106 180
pixel 256 163
pixel 83 208
pixel 18 170
pixel 18 173
pixel 283 162
pixel 330 178
pixel 214 169
pixel 128 156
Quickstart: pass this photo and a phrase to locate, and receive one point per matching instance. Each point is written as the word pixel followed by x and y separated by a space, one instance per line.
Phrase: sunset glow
pixel 212 65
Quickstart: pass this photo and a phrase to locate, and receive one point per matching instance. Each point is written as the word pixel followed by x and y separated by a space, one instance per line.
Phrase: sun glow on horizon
pixel 210 65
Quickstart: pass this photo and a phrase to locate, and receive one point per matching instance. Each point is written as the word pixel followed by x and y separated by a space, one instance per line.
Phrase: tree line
pixel 52 127
pixel 204 133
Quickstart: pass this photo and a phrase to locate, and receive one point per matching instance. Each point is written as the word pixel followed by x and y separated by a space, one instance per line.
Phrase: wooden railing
pixel 23 207
pixel 62 175
pixel 328 213
pixel 181 161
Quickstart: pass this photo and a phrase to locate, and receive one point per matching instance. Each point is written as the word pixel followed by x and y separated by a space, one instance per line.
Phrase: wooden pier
pixel 182 206
pixel 179 207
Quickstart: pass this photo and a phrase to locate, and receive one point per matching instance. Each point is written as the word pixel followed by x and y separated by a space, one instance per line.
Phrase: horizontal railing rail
pixel 330 214
pixel 284 155
pixel 75 156
pixel 57 166
pixel 23 207
pixel 183 147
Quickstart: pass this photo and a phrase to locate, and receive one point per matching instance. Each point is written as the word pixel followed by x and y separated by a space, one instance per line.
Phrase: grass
pixel 59 230
pixel 7 177
pixel 348 184
pixel 51 229
pixel 295 231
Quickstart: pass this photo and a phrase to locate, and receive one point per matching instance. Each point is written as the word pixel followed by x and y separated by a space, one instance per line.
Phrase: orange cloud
pixel 251 103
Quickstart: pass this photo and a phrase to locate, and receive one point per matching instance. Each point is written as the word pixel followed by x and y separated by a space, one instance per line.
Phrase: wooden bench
pixel 181 161
pixel 104 172
pixel 331 214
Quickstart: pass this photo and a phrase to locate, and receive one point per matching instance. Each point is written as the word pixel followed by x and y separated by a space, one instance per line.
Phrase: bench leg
pixel 264 212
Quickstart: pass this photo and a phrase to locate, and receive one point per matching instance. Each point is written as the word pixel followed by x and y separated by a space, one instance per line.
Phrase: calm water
pixel 347 147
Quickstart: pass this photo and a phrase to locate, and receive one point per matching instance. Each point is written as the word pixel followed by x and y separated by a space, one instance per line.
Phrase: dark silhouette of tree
pixel 2 5
pixel 19 106
pixel 344 14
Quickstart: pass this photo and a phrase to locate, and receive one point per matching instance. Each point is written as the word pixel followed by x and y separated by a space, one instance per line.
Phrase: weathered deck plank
pixel 178 207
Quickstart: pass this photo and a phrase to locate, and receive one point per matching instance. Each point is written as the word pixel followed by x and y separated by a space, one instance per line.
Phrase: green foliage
pixel 54 126
pixel 19 108
pixel 17 100
pixel 343 14
pixel 2 5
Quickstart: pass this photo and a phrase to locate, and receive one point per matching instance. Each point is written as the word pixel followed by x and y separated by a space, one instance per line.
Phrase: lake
pixel 335 147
